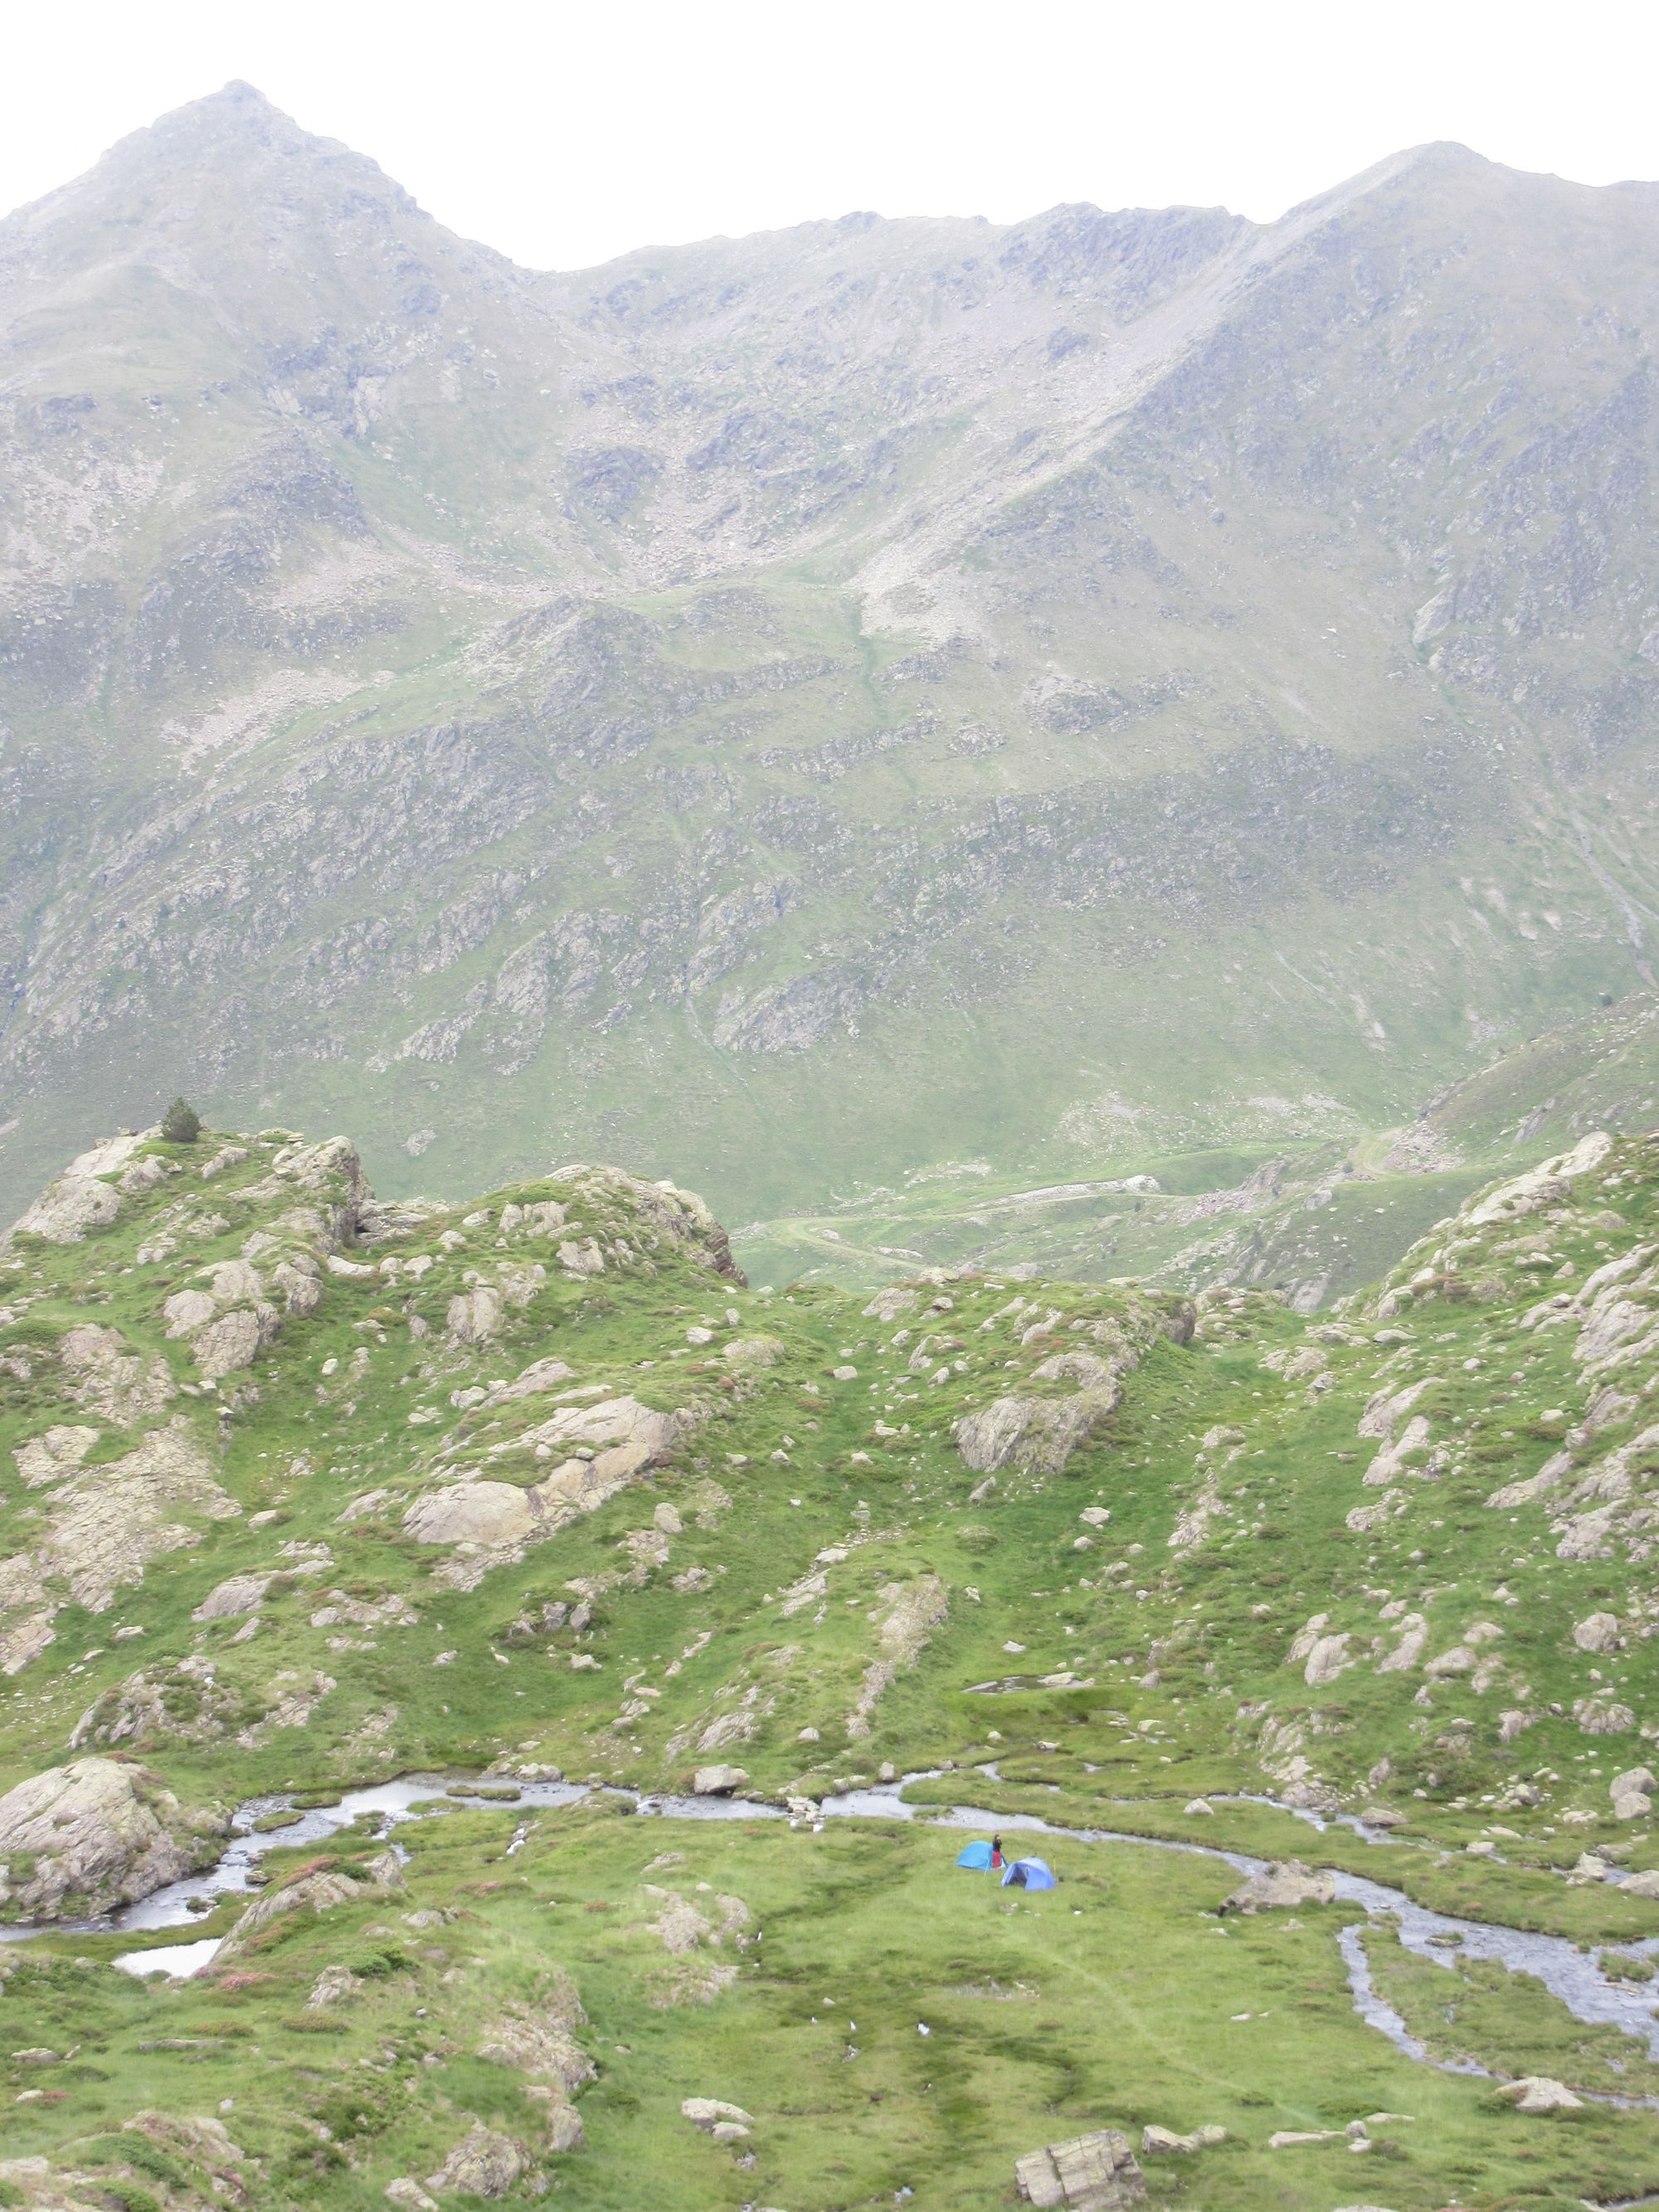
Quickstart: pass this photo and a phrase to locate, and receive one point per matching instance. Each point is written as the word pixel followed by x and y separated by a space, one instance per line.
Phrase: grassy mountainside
pixel 303 1489
pixel 798 711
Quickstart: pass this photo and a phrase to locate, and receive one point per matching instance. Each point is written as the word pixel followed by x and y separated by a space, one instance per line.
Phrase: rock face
pixel 95 1834
pixel 1096 2172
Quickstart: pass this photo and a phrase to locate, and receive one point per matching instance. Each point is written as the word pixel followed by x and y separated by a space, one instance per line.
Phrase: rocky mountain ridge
pixel 1111 673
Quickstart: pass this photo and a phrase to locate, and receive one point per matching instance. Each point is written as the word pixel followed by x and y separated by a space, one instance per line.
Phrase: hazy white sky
pixel 564 134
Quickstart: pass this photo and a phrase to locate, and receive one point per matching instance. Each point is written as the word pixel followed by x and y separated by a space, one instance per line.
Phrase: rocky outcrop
pixel 1538 2093
pixel 538 2039
pixel 1548 1184
pixel 484 2163
pixel 1038 1432
pixel 1037 1435
pixel 105 1375
pixel 82 1198
pixel 659 1213
pixel 316 1893
pixel 608 1445
pixel 1288 1885
pixel 1095 2173
pixel 91 1835
pixel 908 1612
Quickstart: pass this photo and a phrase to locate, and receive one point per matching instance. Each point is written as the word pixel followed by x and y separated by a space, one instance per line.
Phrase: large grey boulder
pixel 92 1835
pixel 709 2114
pixel 718 1781
pixel 1095 2173
pixel 80 1199
pixel 482 2164
pixel 1538 2093
pixel 1289 1884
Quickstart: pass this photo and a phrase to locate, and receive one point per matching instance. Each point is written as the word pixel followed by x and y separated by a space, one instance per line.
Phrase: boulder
pixel 709 2114
pixel 95 1834
pixel 1641 1885
pixel 1599 1633
pixel 564 2127
pixel 1095 2173
pixel 1165 2142
pixel 1603 1716
pixel 1537 2093
pixel 80 1201
pixel 474 1316
pixel 472 1513
pixel 233 1341
pixel 717 1781
pixel 482 2164
pixel 1289 1884
pixel 237 1594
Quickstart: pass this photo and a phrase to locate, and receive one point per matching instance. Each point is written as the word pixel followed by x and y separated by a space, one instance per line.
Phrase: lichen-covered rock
pixel 1288 1884
pixel 80 1199
pixel 484 2163
pixel 95 1834
pixel 103 1375
pixel 717 1781
pixel 709 2114
pixel 1096 2172
pixel 622 1438
pixel 1539 2092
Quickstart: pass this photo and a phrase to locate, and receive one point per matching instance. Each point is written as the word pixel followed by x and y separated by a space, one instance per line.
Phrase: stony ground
pixel 303 1490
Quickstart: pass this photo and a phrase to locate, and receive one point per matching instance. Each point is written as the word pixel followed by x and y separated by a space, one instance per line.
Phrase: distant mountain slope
pixel 794 710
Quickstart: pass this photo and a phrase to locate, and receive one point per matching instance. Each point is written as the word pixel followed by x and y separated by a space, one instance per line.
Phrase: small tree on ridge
pixel 182 1124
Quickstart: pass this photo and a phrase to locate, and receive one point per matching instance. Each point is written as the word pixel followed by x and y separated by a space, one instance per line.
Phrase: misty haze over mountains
pixel 791 711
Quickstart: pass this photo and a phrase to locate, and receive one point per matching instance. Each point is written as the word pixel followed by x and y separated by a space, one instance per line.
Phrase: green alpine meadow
pixel 879 1424
pixel 495 1702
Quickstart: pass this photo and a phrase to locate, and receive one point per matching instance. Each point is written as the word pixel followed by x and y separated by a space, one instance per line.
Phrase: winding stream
pixel 1570 1975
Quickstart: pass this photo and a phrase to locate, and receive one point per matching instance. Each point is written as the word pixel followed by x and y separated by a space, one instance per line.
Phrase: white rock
pixel 1538 2093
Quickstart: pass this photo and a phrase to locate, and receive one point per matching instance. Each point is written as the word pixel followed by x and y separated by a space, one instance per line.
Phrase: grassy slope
pixel 1186 1652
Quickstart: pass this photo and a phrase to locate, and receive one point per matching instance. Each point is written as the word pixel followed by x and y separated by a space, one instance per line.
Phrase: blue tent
pixel 977 1856
pixel 1029 1873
